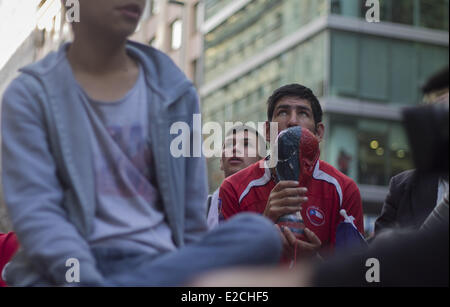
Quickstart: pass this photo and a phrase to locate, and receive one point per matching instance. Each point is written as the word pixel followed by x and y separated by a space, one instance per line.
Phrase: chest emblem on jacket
pixel 315 215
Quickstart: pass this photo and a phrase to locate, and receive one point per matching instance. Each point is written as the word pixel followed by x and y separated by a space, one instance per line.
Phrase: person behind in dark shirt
pixel 413 194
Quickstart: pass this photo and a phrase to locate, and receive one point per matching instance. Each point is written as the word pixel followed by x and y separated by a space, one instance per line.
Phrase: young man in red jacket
pixel 327 192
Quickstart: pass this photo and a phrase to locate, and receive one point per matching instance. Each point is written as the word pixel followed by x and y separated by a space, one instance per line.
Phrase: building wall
pixel 157 29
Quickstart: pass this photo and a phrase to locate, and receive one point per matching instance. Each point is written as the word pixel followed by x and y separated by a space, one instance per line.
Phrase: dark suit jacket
pixel 412 196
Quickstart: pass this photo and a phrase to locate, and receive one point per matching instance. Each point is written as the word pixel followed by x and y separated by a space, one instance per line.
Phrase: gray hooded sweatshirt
pixel 47 167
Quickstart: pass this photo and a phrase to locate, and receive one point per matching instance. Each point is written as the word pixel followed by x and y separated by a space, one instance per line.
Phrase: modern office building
pixel 363 72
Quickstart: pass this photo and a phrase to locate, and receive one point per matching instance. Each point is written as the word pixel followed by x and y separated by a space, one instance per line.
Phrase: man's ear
pixel 320 130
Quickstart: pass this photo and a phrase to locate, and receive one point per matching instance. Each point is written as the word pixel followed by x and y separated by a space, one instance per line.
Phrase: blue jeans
pixel 245 240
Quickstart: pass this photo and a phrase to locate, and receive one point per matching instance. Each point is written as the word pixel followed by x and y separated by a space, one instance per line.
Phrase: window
pixel 373 152
pixel 374 67
pixel 404 81
pixel 346 7
pixel 434 14
pixel 423 13
pixel 344 64
pixel 369 151
pixel 381 70
pixel 155 6
pixel 177 34
pixel 402 12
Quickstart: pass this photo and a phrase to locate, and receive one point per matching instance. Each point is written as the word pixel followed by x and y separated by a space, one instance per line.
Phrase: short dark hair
pixel 296 91
pixel 436 82
pixel 238 128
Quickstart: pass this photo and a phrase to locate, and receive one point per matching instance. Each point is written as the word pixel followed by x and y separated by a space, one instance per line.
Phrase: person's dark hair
pixel 297 91
pixel 438 81
pixel 240 127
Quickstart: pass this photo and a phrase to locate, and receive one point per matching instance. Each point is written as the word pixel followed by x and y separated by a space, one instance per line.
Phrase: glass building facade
pixel 382 70
pixel 363 73
pixel 431 14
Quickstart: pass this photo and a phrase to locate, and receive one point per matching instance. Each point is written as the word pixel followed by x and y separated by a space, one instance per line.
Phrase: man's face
pixel 291 112
pixel 240 150
pixel 113 17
